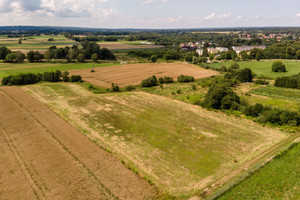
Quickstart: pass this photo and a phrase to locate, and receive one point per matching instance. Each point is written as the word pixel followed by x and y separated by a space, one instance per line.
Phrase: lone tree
pixel 278 66
pixel 81 58
pixel 245 75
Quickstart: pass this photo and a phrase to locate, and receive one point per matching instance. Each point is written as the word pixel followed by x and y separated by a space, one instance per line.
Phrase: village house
pixel 238 49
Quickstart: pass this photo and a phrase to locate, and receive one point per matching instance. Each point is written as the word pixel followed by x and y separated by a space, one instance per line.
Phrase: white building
pixel 238 49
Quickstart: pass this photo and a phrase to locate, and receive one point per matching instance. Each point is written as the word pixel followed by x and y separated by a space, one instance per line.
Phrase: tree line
pixel 88 50
pixel 31 78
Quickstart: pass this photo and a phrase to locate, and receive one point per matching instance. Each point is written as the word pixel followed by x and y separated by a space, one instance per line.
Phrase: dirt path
pixel 52 160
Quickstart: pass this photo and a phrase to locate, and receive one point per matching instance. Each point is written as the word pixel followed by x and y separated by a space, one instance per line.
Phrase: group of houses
pixel 237 49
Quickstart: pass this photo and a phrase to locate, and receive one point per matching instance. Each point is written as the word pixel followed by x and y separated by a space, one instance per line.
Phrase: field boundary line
pixel 79 163
pixel 36 188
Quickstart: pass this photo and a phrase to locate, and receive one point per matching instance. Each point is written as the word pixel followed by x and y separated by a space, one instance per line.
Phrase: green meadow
pixel 264 67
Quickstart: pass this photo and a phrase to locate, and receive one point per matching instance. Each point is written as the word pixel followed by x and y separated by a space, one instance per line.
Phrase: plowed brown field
pixel 44 157
pixel 133 74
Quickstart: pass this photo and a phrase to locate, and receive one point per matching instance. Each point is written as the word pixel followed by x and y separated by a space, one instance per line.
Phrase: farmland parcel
pixel 181 148
pixel 133 74
pixel 44 157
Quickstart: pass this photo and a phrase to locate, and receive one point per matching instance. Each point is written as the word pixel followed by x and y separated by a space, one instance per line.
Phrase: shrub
pixel 223 68
pixel 161 80
pixel 245 75
pixel 115 88
pixel 253 111
pixel 153 58
pixel 149 82
pixel 220 96
pixel 168 79
pixel 129 88
pixel 261 82
pixel 65 77
pixel 288 81
pixel 185 79
pixel 75 78
pixel 278 66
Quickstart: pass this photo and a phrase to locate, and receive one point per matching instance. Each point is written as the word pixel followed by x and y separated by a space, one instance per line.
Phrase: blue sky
pixel 150 13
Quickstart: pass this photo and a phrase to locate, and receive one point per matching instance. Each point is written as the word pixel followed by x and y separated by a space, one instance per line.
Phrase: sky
pixel 160 14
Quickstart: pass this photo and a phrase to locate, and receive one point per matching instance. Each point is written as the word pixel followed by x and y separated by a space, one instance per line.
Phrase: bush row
pixel 272 115
pixel 152 81
pixel 221 96
pixel 288 81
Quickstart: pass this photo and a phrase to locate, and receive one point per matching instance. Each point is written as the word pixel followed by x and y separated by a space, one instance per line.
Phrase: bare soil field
pixel 133 74
pixel 182 148
pixel 44 157
pixel 121 46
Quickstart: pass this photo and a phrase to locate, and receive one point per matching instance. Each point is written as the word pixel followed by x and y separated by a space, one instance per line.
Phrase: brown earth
pixel 118 46
pixel 44 157
pixel 133 74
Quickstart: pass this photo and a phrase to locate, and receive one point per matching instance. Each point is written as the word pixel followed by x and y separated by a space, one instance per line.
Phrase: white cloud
pixel 153 1
pixel 238 17
pixel 167 20
pixel 273 17
pixel 298 15
pixel 224 16
pixel 211 16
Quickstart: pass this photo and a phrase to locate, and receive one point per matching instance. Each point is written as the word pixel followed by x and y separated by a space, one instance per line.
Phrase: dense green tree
pixel 278 66
pixel 30 56
pixel 3 52
pixel 243 55
pixel 20 57
pixel 153 58
pixel 220 96
pixel 245 75
pixel 81 58
pixel 95 57
pixel 10 57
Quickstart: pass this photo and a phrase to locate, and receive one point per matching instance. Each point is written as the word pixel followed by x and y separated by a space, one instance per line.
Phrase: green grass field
pixel 7 69
pixel 280 179
pixel 282 98
pixel 180 147
pixel 35 42
pixel 278 92
pixel 263 67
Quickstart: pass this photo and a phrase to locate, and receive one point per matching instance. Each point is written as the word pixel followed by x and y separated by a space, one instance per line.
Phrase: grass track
pixel 279 179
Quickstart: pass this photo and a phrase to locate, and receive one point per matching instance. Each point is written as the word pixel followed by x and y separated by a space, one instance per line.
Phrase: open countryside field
pixel 181 148
pixel 36 43
pixel 279 179
pixel 264 67
pixel 7 69
pixel 44 157
pixel 127 45
pixel 133 74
